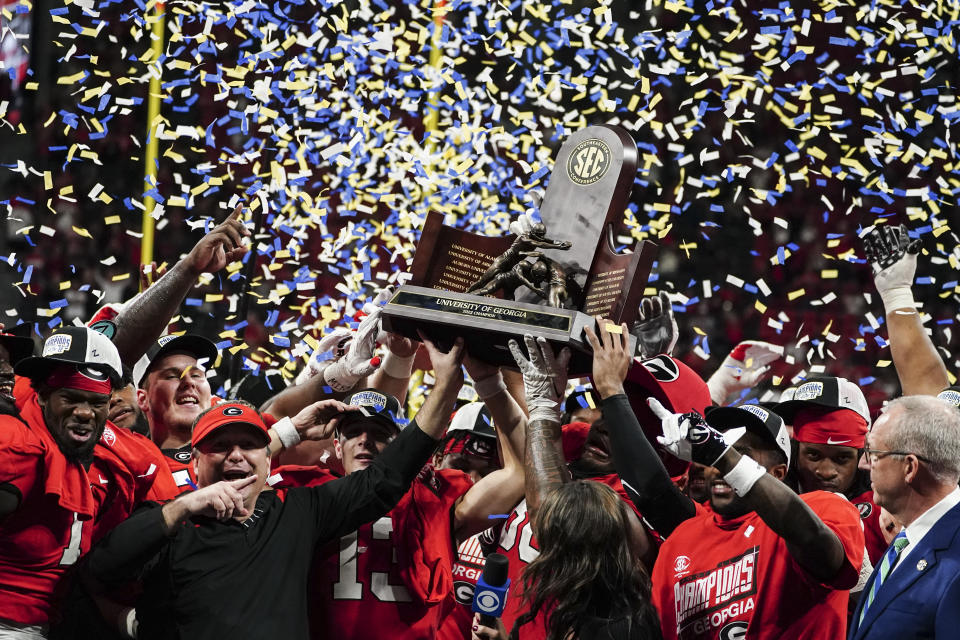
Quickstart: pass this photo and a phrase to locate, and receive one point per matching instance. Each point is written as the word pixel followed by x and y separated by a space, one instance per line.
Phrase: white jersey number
pixel 508 538
pixel 348 587
pixel 71 552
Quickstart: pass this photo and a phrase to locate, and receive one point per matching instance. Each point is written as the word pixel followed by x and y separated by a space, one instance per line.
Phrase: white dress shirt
pixel 922 525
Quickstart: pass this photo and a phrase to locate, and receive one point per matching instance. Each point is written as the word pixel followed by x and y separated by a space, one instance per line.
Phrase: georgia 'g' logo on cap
pixel 232 412
pixel 808 391
pixel 663 368
pixel 57 344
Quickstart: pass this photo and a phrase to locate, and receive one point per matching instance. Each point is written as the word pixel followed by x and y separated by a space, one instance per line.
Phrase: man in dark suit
pixel 913 454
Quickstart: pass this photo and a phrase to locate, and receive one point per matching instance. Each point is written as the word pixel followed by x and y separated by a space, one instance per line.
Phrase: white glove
pixel 893 257
pixel 544 377
pixel 359 360
pixel 704 445
pixel 743 368
pixel 522 225
pixel 325 353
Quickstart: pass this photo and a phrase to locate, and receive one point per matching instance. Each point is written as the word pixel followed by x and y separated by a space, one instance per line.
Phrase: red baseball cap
pixel 225 414
pixel 676 386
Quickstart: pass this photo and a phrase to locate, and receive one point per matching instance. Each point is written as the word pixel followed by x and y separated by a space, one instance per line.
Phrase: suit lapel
pixel 921 561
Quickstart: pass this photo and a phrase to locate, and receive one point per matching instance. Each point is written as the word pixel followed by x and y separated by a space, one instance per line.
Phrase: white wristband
pixel 286 432
pixel 489 387
pixel 397 366
pixel 744 475
pixel 897 298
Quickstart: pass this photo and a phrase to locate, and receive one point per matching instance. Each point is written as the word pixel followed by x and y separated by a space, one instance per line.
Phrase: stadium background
pixel 770 134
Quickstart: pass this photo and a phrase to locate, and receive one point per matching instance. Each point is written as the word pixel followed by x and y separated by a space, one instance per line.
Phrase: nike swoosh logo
pixel 832 441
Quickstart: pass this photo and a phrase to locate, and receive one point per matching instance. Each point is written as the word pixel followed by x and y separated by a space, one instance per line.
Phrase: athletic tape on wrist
pixel 286 432
pixel 744 475
pixel 897 298
pixel 489 387
pixel 397 366
pixel 544 413
pixel 339 378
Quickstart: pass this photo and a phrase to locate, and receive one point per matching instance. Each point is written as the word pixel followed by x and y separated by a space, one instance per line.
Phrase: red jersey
pixel 519 545
pixel 63 507
pixel 870 517
pixel 718 578
pixel 457 615
pixel 180 464
pixel 388 578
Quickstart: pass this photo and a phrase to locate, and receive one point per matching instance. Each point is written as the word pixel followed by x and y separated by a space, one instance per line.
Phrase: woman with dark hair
pixel 588 577
pixel 587 581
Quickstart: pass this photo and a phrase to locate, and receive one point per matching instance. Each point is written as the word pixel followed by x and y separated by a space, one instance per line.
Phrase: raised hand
pixel 743 368
pixel 446 366
pixel 544 376
pixel 893 257
pixel 319 420
pixel 688 436
pixel 359 360
pixel 656 328
pixel 611 357
pixel 221 246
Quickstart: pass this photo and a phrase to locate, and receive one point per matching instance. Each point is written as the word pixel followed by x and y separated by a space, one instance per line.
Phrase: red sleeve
pixel 145 462
pixel 844 520
pixel 870 517
pixel 21 455
pixel 21 391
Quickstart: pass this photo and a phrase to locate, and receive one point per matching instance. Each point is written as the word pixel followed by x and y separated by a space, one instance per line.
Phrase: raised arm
pixel 353 359
pixel 393 375
pixel 145 318
pixel 502 489
pixel 893 257
pixel 814 546
pixel 640 469
pixel 544 379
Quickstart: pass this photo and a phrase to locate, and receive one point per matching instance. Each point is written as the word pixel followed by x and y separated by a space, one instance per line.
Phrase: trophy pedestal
pixel 487 324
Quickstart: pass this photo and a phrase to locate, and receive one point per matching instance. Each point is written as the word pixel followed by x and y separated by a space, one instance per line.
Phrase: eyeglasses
pixel 875 454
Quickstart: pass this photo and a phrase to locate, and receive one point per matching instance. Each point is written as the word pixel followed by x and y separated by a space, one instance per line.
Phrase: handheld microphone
pixel 490 596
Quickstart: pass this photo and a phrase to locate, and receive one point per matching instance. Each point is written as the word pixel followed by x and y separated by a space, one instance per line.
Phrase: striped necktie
pixel 886 566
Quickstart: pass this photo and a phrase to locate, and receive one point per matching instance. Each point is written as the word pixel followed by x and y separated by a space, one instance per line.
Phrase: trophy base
pixel 487 324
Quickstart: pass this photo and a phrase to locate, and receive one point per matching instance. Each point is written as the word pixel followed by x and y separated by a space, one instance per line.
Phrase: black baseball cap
pixel 81 347
pixel 199 347
pixel 475 418
pixel 17 342
pixel 756 419
pixel 374 405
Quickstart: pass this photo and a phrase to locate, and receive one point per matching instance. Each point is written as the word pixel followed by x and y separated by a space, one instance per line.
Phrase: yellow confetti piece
pixel 793 295
pixel 80 231
pixel 111 220
pixel 828 274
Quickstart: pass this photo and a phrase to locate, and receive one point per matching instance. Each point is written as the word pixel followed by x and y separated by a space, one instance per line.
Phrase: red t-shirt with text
pixel 719 578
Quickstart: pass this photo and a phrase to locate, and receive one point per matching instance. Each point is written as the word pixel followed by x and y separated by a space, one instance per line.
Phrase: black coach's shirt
pixel 232 580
